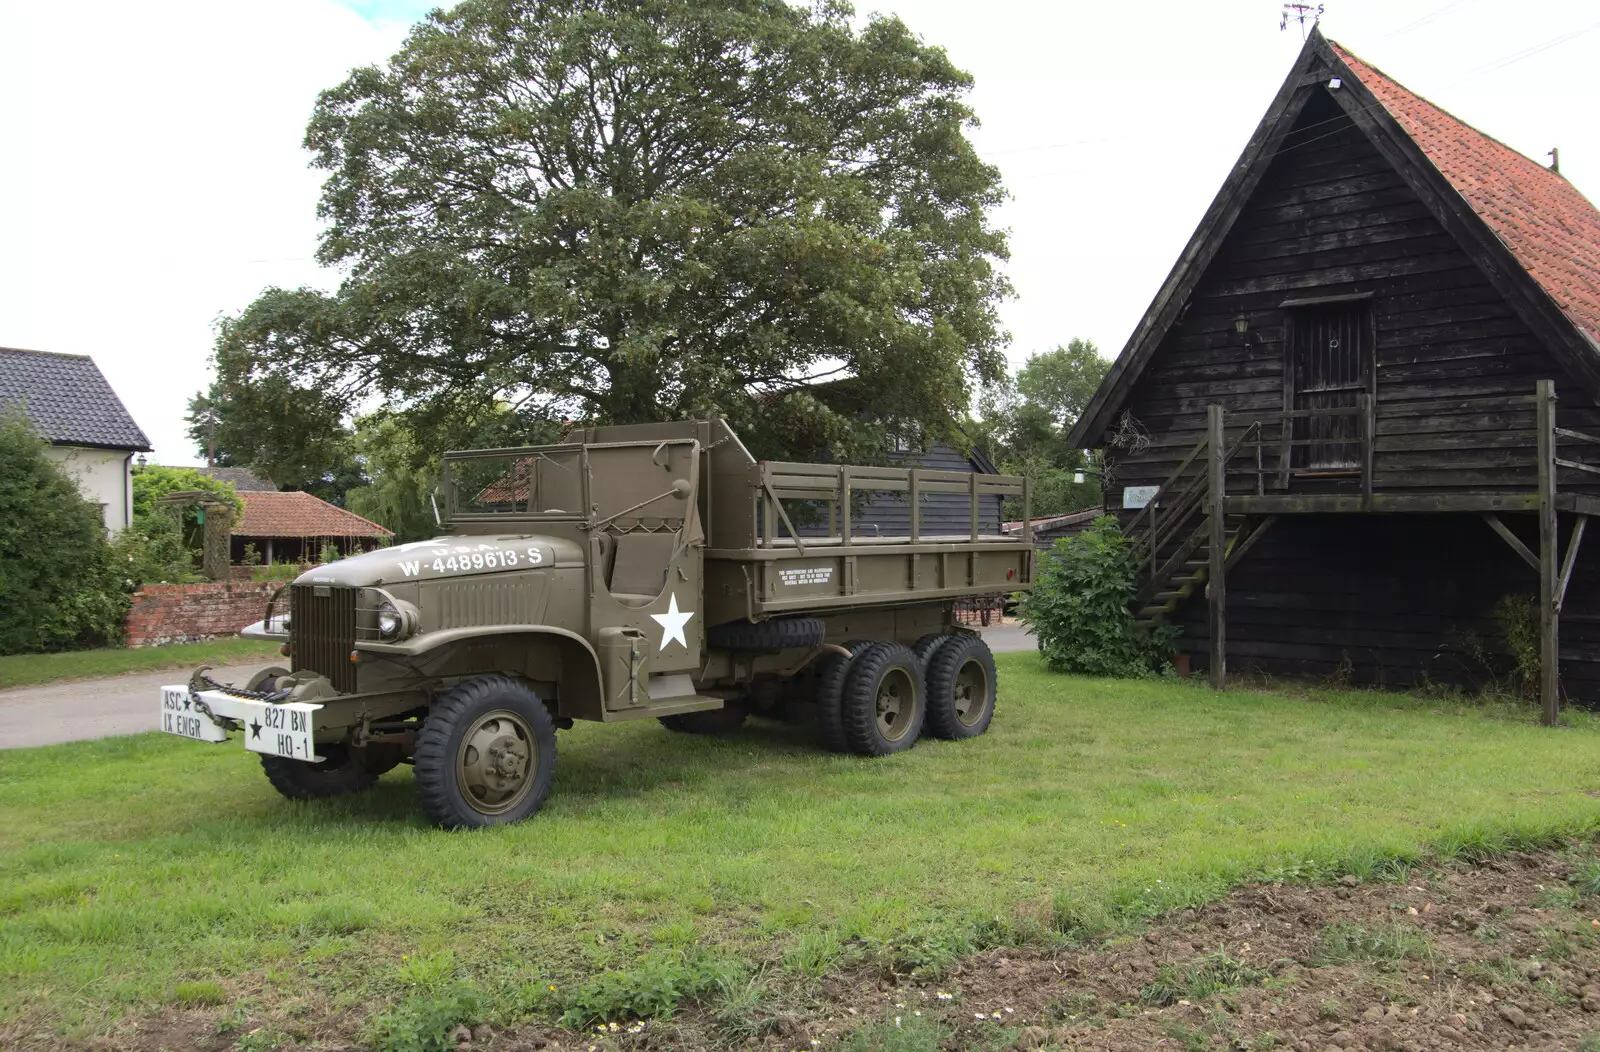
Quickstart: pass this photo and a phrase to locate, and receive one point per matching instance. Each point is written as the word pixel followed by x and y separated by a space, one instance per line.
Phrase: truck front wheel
pixel 486 754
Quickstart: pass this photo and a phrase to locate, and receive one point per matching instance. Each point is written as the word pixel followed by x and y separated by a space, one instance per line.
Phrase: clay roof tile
pixel 1551 228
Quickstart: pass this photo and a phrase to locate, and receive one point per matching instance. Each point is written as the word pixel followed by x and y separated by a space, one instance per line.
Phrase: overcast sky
pixel 153 180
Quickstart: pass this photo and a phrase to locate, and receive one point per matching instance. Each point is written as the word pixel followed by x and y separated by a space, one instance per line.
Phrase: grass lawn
pixel 130 866
pixel 27 670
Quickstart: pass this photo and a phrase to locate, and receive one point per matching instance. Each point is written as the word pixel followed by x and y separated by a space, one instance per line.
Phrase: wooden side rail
pixel 838 485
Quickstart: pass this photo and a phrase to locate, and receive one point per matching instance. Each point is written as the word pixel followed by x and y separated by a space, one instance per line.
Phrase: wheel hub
pixel 895 705
pixel 971 692
pixel 496 766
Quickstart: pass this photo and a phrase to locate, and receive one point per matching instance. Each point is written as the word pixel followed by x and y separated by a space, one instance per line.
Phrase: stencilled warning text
pixel 806 575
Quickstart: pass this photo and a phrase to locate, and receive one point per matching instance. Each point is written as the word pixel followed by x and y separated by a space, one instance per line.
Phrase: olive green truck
pixel 644 571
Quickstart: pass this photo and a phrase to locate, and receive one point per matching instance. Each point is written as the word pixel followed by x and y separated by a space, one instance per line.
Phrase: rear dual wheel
pixel 961 688
pixel 884 701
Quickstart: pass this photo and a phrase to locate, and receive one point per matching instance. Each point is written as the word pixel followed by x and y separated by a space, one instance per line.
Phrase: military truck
pixel 632 572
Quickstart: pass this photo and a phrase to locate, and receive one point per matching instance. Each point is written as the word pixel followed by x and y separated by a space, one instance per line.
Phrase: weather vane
pixel 1300 12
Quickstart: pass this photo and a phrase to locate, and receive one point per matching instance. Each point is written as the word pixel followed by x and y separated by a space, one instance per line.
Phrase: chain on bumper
pixel 199 681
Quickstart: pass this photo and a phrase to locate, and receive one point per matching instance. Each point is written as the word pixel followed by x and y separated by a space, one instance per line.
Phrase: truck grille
pixel 323 632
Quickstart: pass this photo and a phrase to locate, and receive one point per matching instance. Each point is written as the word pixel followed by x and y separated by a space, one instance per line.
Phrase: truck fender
pixel 580 681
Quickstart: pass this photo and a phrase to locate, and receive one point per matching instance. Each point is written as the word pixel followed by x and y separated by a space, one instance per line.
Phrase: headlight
pixel 390 621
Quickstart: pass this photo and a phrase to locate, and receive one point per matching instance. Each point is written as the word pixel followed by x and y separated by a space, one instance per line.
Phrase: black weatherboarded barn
pixel 1365 401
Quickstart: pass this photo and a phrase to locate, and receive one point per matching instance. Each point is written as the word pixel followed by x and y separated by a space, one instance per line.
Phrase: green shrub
pixel 650 989
pixel 1517 616
pixel 1078 608
pixel 1212 974
pixel 422 1022
pixel 906 1032
pixel 58 587
pixel 199 994
pixel 151 551
pixel 1347 943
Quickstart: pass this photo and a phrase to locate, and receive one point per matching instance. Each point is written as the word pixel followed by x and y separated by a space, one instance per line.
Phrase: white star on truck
pixel 672 623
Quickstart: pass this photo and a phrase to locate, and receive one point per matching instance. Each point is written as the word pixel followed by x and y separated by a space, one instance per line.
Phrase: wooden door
pixel 1329 366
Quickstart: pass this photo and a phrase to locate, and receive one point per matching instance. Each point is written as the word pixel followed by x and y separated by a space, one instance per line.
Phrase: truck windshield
pixel 538 482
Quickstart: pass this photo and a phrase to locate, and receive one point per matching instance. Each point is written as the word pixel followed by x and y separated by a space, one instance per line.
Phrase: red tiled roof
pixel 1549 226
pixel 270 514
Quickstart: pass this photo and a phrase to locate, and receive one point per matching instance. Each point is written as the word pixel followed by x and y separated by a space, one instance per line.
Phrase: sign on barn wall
pixel 1138 496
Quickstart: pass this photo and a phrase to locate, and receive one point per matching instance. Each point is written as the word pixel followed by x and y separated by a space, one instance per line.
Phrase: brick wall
pixel 188 613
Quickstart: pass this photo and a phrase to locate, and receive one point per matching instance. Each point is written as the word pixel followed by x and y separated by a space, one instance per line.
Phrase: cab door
pixel 645 563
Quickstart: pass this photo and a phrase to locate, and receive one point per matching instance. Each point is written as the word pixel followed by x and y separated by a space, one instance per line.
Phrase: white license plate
pixel 179 716
pixel 279 730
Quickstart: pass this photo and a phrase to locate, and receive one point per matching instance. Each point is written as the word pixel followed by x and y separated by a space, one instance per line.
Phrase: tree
pixel 639 210
pixel 296 437
pixel 155 481
pixel 1060 382
pixel 1025 422
pixel 58 586
pixel 401 478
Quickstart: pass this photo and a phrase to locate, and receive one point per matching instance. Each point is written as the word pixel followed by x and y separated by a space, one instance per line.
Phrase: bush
pixel 58 587
pixel 151 551
pixel 650 989
pixel 1078 608
pixel 423 1021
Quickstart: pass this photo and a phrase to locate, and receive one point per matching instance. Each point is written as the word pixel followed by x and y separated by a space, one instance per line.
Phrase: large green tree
pixel 635 210
pixel 1024 422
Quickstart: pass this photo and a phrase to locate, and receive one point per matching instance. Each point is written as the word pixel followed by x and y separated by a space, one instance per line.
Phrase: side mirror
pixel 681 489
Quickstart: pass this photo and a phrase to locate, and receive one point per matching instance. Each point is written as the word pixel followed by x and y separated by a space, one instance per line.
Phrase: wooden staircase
pixel 1184 575
pixel 1172 535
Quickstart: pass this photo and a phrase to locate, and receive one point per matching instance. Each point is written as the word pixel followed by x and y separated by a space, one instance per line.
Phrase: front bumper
pixel 285 729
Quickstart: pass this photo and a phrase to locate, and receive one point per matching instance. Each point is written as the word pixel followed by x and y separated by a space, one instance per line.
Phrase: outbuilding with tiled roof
pixel 295 526
pixel 66 399
pixel 1357 432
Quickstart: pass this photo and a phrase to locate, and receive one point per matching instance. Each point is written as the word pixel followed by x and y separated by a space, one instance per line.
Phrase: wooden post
pixel 975 506
pixel 847 524
pixel 217 540
pixel 1369 440
pixel 1215 511
pixel 1549 555
pixel 916 506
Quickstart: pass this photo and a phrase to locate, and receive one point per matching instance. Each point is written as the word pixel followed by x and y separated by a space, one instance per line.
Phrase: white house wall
pixel 104 477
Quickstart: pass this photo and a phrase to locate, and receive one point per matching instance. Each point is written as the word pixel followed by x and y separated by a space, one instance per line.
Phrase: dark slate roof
pixel 244 480
pixel 67 400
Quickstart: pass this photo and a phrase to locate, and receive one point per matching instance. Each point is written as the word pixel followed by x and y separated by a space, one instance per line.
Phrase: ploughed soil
pixel 1502 955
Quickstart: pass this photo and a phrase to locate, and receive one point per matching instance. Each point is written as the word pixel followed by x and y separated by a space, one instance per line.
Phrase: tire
pixel 884 701
pixel 725 720
pixel 778 634
pixel 340 774
pixel 486 754
pixel 961 688
pixel 925 646
pixel 831 675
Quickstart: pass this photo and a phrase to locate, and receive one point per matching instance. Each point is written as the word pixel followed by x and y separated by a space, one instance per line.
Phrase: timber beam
pixel 1510 538
pixel 1216 516
pixel 1245 543
pixel 1380 503
pixel 1572 557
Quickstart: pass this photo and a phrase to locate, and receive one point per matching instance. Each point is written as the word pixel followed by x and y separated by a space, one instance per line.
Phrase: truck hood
pixel 445 557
